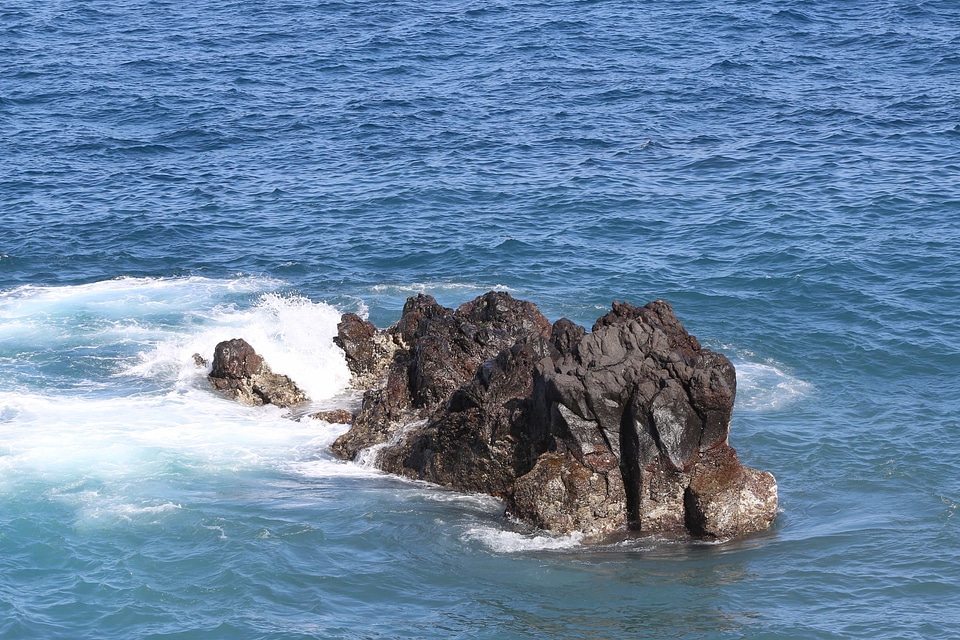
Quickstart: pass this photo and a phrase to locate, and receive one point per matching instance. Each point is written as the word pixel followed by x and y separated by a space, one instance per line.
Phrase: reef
pixel 623 428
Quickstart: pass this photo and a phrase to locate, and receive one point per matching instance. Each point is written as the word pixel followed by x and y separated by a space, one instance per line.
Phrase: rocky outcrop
pixel 434 351
pixel 240 372
pixel 625 427
pixel 367 351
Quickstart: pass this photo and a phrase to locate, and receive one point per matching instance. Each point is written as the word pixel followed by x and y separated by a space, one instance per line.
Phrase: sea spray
pixel 134 407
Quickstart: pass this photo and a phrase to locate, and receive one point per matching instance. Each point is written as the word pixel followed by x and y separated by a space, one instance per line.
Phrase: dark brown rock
pixel 482 440
pixel 240 372
pixel 624 427
pixel 368 351
pixel 383 411
pixel 235 360
pixel 438 351
pixel 725 499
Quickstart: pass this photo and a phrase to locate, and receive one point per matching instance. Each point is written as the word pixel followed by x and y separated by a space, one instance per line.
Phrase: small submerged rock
pixel 240 372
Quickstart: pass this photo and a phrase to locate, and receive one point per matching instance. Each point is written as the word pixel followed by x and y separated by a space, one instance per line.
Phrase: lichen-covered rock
pixel 368 352
pixel 623 427
pixel 565 495
pixel 239 371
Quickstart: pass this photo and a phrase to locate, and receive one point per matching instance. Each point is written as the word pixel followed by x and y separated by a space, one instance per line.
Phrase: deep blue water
pixel 786 174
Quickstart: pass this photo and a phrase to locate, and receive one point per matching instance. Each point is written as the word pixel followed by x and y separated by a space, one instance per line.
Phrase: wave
pixel 293 334
pixel 60 436
pixel 146 330
pixel 449 293
pixel 766 385
pixel 99 380
pixel 505 541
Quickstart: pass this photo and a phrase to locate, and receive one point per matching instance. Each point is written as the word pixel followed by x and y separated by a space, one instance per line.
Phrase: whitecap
pixel 504 541
pixel 367 457
pixel 394 295
pixel 765 385
pixel 293 334
pixel 418 287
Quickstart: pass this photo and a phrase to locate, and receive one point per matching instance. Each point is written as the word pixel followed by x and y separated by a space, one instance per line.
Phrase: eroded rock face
pixel 238 370
pixel 367 351
pixel 623 427
pixel 639 388
pixel 434 351
pixel 725 498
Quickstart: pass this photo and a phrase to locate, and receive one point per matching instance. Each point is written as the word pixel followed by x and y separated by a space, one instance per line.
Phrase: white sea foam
pixel 327 467
pixel 763 385
pixel 479 502
pixel 62 437
pixel 313 459
pixel 426 287
pixel 125 297
pixel 110 512
pixel 368 457
pixel 504 541
pixel 293 334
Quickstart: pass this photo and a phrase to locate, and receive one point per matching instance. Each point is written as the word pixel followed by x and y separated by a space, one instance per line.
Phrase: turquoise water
pixel 787 175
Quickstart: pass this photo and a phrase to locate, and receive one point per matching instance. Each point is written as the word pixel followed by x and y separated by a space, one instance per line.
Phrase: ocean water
pixel 786 174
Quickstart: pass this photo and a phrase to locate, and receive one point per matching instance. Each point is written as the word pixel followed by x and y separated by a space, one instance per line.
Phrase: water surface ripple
pixel 786 174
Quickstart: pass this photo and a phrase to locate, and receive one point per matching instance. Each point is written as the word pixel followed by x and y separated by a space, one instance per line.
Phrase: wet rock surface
pixel 240 372
pixel 625 427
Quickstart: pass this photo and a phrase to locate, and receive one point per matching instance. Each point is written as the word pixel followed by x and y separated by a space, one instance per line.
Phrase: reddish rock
pixel 335 416
pixel 240 372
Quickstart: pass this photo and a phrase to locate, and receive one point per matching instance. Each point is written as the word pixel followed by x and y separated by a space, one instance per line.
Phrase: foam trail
pixel 502 541
pixel 766 386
